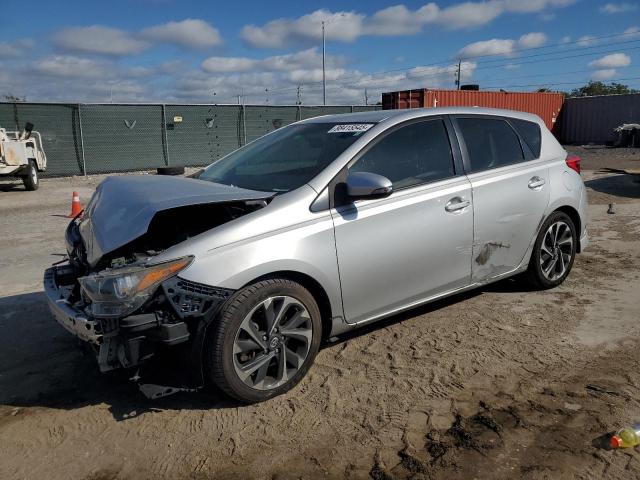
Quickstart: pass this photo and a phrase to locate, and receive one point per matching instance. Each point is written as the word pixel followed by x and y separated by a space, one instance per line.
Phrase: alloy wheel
pixel 556 250
pixel 272 342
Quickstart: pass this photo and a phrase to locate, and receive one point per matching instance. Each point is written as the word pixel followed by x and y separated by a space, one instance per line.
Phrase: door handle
pixel 536 182
pixel 456 204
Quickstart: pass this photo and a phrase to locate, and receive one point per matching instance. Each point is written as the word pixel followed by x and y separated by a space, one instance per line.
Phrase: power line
pixel 559 83
pixel 449 61
pixel 484 65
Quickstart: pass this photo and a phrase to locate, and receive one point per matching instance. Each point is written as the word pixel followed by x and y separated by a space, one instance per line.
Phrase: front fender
pixel 308 249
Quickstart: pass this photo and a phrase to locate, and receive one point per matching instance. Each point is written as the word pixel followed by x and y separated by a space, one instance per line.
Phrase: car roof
pixel 378 116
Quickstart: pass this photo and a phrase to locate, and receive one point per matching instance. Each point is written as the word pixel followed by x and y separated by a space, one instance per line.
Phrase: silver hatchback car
pixel 315 229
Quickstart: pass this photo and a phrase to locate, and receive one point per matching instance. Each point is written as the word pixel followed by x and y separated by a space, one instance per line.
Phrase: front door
pixel 396 251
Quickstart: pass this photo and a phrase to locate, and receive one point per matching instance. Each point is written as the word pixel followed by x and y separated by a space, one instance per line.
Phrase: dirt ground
pixel 496 383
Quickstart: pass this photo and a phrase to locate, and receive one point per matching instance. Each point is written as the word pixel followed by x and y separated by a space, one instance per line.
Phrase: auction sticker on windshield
pixel 351 127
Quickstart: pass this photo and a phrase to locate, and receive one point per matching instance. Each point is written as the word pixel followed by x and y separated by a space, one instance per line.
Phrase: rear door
pixel 510 186
pixel 394 252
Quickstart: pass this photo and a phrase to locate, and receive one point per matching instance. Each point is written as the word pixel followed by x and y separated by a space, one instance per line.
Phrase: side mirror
pixel 365 185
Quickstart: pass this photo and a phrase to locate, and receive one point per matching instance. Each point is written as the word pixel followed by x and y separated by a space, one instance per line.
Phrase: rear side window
pixel 414 154
pixel 530 132
pixel 491 143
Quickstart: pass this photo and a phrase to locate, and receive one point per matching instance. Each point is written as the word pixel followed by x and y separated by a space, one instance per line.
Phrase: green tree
pixel 600 88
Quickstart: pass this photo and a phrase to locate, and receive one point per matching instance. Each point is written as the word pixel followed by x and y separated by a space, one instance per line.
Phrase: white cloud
pixel 98 39
pixel 340 26
pixel 470 14
pixel 281 75
pixel 605 74
pixel 613 60
pixel 309 59
pixel 618 7
pixel 396 20
pixel 8 50
pixel 189 33
pixel 70 66
pixel 506 47
pixel 586 40
pixel 15 48
pixel 632 32
pixel 495 46
pixel 228 64
pixel 532 40
pixel 399 20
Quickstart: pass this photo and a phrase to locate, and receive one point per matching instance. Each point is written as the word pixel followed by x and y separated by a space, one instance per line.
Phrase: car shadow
pixel 509 285
pixel 620 184
pixel 42 365
pixel 11 185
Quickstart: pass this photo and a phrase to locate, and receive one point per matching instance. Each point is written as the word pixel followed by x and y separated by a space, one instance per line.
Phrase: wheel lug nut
pixel 264 337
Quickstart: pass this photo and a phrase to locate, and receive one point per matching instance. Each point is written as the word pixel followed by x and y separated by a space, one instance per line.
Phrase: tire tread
pixel 214 346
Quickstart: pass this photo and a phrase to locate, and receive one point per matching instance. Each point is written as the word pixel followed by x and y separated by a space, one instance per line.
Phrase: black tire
pixel 30 179
pixel 219 359
pixel 535 275
pixel 170 170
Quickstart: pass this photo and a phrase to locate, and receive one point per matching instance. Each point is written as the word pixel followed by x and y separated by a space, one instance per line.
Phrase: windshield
pixel 286 159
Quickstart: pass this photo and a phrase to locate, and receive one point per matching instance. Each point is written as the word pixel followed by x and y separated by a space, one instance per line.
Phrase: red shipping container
pixel 546 105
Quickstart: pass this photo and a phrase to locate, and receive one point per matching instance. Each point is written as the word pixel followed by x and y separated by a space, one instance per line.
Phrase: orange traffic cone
pixel 76 208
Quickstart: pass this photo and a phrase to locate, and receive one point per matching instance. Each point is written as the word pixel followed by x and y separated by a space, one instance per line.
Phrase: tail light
pixel 573 162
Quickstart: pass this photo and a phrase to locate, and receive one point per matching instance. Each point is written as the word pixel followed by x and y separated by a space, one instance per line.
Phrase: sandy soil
pixel 497 383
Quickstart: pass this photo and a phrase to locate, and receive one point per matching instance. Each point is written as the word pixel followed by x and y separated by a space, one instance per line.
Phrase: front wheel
pixel 30 180
pixel 263 341
pixel 553 253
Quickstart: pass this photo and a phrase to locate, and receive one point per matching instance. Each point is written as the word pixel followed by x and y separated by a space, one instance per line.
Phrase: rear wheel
pixel 30 180
pixel 264 340
pixel 553 253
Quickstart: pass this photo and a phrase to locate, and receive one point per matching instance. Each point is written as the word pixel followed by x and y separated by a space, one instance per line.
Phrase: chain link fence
pixel 84 139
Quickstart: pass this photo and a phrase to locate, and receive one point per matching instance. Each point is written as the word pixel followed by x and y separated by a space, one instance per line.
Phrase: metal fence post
pixel 15 116
pixel 84 164
pixel 164 135
pixel 244 123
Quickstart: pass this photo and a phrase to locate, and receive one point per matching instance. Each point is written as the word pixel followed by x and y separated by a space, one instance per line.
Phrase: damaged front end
pixel 113 295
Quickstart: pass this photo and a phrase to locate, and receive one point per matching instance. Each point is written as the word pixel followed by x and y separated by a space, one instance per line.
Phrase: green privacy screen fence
pixel 100 138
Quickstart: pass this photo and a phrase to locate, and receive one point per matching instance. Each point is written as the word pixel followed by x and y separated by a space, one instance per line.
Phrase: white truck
pixel 22 155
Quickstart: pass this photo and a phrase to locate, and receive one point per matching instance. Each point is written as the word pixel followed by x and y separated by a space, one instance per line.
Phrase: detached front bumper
pixel 178 311
pixel 73 320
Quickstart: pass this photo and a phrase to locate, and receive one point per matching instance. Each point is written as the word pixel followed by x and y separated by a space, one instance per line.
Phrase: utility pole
pixel 266 91
pixel 298 98
pixel 458 76
pixel 366 97
pixel 324 81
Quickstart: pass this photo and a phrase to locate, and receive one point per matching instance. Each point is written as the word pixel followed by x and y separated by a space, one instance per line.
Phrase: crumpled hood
pixel 123 206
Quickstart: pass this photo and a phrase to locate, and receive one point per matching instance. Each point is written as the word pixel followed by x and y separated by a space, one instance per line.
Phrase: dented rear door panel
pixel 507 214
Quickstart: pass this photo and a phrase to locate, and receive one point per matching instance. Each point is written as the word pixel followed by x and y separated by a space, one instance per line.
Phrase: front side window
pixel 491 143
pixel 285 159
pixel 414 154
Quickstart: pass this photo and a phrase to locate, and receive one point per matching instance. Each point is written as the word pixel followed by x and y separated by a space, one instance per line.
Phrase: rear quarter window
pixel 530 133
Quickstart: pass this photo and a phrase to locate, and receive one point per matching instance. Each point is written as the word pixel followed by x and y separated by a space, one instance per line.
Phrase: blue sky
pixel 185 51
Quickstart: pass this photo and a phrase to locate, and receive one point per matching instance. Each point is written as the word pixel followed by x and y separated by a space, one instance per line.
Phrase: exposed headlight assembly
pixel 119 292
